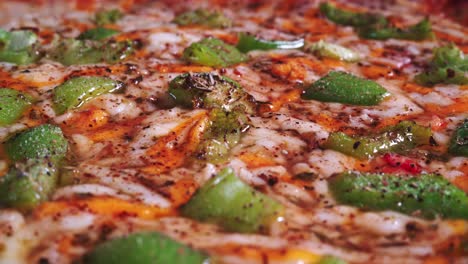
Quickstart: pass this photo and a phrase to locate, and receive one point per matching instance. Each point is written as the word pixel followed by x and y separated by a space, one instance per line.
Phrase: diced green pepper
pixel 374 26
pixel 331 260
pixel 425 195
pixel 44 141
pixel 227 201
pixel 213 52
pixel 76 52
pixel 212 19
pixel 12 105
pixel 18 47
pixel 79 90
pixel 449 65
pixel 400 138
pixel 459 143
pixel 28 184
pixel 205 90
pixel 144 248
pixel 224 131
pixel 349 18
pixel 108 17
pixel 248 43
pixel 98 33
pixel 334 51
pixel 345 88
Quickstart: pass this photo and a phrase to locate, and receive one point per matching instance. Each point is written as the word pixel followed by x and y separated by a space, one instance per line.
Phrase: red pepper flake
pixel 403 163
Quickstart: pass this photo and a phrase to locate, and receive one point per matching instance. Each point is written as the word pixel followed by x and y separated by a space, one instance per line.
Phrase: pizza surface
pixel 232 132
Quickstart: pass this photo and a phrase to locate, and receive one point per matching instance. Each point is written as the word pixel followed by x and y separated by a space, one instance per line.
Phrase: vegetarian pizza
pixel 316 132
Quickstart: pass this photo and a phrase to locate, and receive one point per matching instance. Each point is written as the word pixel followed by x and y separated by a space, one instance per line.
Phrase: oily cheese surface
pixel 133 160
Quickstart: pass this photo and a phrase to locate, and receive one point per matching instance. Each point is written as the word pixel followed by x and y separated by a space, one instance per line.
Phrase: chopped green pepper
pixel 212 19
pixel 331 260
pixel 229 105
pixel 349 18
pixel 223 132
pixel 44 141
pixel 345 88
pixel 213 52
pixel 75 52
pixel 98 33
pixel 248 42
pixel 334 51
pixel 12 105
pixel 459 143
pixel 18 46
pixel 28 184
pixel 144 248
pixel 77 91
pixel 227 201
pixel 205 90
pixel 404 136
pixel 108 17
pixel 425 195
pixel 449 65
pixel 374 26
pixel 419 31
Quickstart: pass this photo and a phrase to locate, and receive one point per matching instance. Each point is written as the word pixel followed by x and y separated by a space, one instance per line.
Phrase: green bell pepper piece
pixel 79 90
pixel 248 43
pixel 400 138
pixel 349 18
pixel 98 33
pixel 12 105
pixel 213 52
pixel 425 195
pixel 76 52
pixel 448 65
pixel 331 260
pixel 18 47
pixel 212 19
pixel 227 201
pixel 144 248
pixel 28 184
pixel 44 141
pixel 419 31
pixel 334 51
pixel 223 132
pixel 206 90
pixel 458 145
pixel 105 17
pixel 345 88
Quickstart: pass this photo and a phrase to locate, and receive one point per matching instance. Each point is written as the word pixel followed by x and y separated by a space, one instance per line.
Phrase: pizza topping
pixel 399 138
pixel 227 201
pixel 374 26
pixel 205 90
pixel 459 143
pixel 249 42
pixel 18 46
pixel 73 51
pixel 212 19
pixel 45 141
pixel 12 105
pixel 28 184
pixel 229 105
pixel 213 52
pixel 448 65
pixel 108 17
pixel 331 260
pixel 425 195
pixel 77 91
pixel 144 248
pixel 98 33
pixel 333 51
pixel 342 87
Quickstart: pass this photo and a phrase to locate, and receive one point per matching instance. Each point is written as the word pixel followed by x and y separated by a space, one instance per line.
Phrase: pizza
pixel 233 132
